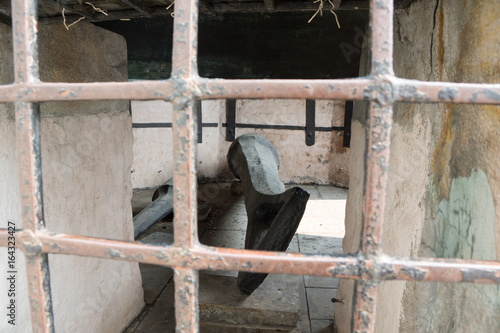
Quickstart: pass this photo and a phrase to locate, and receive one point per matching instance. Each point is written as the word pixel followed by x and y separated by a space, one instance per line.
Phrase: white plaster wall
pixel 87 189
pixel 323 163
pixel 10 210
pixel 86 162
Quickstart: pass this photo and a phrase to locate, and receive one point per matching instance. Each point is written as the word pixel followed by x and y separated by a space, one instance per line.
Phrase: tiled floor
pixel 320 232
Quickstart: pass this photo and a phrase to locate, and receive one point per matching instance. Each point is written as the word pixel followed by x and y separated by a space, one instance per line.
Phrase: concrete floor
pixel 320 232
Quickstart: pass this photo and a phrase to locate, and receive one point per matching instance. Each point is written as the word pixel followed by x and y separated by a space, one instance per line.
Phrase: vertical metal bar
pixel 310 122
pixel 184 126
pixel 24 20
pixel 379 133
pixel 184 129
pixel 378 143
pixel 185 46
pixel 30 180
pixel 24 28
pixel 381 41
pixel 365 306
pixel 199 119
pixel 349 105
pixel 186 300
pixel 230 119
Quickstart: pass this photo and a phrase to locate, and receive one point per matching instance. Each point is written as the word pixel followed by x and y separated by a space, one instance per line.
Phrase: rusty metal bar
pixel 381 40
pixel 312 89
pixel 184 135
pixel 185 46
pixel 24 28
pixel 184 139
pixel 365 306
pixel 48 91
pixel 212 258
pixel 402 90
pixel 24 38
pixel 377 151
pixel 186 283
pixel 379 133
pixel 184 124
pixel 446 92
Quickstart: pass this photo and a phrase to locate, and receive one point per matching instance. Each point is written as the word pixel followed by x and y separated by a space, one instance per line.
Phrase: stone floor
pixel 320 232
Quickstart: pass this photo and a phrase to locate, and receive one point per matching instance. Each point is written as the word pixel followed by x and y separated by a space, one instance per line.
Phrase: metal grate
pixel 187 255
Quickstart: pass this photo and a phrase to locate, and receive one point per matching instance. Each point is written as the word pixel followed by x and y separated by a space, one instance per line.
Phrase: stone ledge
pixel 275 305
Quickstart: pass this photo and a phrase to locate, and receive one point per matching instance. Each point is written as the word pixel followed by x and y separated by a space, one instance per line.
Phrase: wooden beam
pixel 269 5
pixel 218 8
pixel 77 9
pixel 206 8
pixel 141 9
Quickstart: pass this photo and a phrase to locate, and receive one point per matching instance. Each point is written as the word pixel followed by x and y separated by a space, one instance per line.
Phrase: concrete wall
pixel 86 160
pixel 325 162
pixel 443 196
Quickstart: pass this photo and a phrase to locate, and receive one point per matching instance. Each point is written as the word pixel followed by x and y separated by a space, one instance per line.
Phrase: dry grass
pixel 320 11
pixel 67 26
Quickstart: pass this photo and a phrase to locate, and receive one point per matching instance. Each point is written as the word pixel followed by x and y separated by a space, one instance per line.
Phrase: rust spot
pixel 440 46
pixel 442 156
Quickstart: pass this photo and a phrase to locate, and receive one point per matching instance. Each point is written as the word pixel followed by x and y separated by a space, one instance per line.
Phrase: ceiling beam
pixel 217 8
pixel 206 8
pixel 80 10
pixel 269 5
pixel 139 8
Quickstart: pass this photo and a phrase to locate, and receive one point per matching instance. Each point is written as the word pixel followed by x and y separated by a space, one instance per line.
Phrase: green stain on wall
pixel 464 226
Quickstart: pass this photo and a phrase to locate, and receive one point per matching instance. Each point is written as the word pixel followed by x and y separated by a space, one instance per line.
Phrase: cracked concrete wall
pixel 443 194
pixel 325 162
pixel 86 160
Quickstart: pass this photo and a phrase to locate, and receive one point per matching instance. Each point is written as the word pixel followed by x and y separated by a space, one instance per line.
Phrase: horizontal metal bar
pixel 446 92
pixel 199 257
pixel 285 127
pixel 224 259
pixel 167 125
pixel 300 89
pixel 61 91
pixel 401 90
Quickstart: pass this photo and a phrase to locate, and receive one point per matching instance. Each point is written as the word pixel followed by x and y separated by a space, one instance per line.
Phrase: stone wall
pixel 86 161
pixel 325 162
pixel 443 195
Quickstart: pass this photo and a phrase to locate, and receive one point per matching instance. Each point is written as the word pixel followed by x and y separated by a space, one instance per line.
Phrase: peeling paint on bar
pixel 203 257
pixel 349 89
